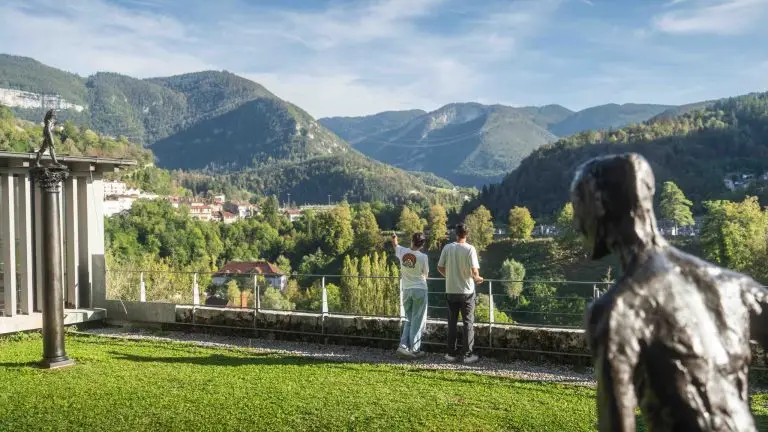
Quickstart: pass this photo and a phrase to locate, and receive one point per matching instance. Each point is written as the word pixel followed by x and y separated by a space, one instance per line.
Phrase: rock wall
pixel 503 341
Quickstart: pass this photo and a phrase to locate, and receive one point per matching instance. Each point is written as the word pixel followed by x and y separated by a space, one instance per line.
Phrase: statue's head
pixel 612 200
pixel 50 116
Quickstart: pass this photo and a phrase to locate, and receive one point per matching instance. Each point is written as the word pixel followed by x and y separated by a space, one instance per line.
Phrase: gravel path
pixel 513 369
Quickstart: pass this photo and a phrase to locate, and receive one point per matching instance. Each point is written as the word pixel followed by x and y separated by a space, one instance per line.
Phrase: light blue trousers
pixel 415 305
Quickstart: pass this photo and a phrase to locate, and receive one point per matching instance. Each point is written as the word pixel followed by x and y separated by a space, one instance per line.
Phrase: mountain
pixel 473 144
pixel 466 143
pixel 608 116
pixel 698 150
pixel 548 115
pixel 29 75
pixel 353 129
pixel 255 133
pixel 220 124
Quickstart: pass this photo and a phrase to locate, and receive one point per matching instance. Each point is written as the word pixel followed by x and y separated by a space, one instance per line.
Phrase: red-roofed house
pixel 271 272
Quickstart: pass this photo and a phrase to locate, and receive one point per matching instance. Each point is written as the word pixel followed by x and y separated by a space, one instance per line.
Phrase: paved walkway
pixel 523 370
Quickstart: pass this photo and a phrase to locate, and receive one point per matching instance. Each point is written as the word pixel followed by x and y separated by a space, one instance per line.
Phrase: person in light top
pixel 461 268
pixel 414 268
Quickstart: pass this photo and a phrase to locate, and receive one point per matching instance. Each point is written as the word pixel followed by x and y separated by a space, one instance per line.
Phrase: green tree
pixel 521 223
pixel 233 293
pixel 410 222
pixel 366 230
pixel 514 273
pixel 349 285
pixel 675 207
pixel 569 237
pixel 273 299
pixel 365 286
pixel 284 264
pixel 483 311
pixel 335 229
pixel 438 227
pixel 480 225
pixel 270 210
pixel 733 235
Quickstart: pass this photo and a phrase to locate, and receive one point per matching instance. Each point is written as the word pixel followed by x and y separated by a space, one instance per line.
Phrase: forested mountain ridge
pixel 474 144
pixel 466 143
pixel 143 110
pixel 610 116
pixel 353 129
pixel 236 132
pixel 697 150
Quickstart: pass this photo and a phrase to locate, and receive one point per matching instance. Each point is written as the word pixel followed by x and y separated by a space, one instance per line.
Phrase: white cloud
pixel 86 36
pixel 357 57
pixel 721 17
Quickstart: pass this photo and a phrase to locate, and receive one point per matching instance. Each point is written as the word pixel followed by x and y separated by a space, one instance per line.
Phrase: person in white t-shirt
pixel 414 268
pixel 461 268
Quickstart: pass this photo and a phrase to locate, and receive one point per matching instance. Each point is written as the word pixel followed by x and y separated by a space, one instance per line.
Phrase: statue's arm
pixel 616 354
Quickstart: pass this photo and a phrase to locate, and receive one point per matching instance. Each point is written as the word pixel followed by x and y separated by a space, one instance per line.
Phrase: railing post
pixel 257 293
pixel 142 288
pixel 325 297
pixel 195 291
pixel 491 307
pixel 402 306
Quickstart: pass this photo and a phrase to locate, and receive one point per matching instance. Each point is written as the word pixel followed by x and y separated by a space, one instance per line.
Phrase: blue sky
pixel 360 57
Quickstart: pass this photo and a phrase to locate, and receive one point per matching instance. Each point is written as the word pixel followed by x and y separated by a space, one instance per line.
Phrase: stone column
pixel 49 179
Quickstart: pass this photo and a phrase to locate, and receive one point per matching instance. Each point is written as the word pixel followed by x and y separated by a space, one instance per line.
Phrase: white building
pixel 114 188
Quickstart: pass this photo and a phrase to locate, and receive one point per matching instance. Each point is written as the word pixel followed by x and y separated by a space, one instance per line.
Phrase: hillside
pixel 225 126
pixel 143 110
pixel 353 129
pixel 259 131
pixel 27 74
pixel 473 144
pixel 610 116
pixel 696 150
pixel 468 143
pixel 269 146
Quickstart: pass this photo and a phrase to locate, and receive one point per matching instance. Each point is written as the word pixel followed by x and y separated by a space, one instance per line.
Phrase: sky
pixel 359 57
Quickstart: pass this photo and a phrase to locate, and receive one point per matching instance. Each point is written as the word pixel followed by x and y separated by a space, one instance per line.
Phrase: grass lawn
pixel 148 386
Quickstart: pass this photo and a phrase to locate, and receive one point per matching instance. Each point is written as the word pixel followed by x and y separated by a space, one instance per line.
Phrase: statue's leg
pixel 53 156
pixel 39 156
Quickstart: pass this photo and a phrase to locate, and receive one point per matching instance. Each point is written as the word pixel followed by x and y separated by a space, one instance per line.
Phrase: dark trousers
pixel 464 303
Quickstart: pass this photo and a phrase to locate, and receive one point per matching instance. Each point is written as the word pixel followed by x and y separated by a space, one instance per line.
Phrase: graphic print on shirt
pixel 409 260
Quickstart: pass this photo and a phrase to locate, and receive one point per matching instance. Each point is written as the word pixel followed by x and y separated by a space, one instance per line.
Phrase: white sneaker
pixel 450 358
pixel 418 354
pixel 403 352
pixel 472 358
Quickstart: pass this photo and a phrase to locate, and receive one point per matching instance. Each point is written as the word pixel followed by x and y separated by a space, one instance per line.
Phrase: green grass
pixel 142 386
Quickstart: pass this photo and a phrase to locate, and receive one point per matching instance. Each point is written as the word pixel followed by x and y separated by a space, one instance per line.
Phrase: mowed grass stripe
pixel 122 385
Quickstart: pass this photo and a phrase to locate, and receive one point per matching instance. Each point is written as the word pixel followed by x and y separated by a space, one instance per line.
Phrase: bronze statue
pixel 49 122
pixel 672 335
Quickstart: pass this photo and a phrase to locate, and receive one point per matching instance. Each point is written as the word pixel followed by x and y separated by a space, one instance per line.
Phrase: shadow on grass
pixel 221 360
pixel 14 365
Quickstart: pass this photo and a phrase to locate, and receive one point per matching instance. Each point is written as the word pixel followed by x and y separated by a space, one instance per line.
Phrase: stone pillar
pixel 71 252
pixel 8 235
pixel 90 234
pixel 49 179
pixel 26 257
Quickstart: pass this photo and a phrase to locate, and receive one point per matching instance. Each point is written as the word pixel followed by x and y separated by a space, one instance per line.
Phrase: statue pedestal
pixel 49 179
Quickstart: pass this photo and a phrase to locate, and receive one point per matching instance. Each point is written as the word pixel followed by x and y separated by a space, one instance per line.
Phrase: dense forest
pixel 697 150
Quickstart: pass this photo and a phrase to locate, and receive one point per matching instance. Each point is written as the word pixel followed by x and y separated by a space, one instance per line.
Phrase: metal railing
pixel 527 302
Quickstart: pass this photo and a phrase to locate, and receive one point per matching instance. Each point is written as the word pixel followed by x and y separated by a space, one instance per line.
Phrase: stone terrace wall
pixel 556 345
pixel 565 346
